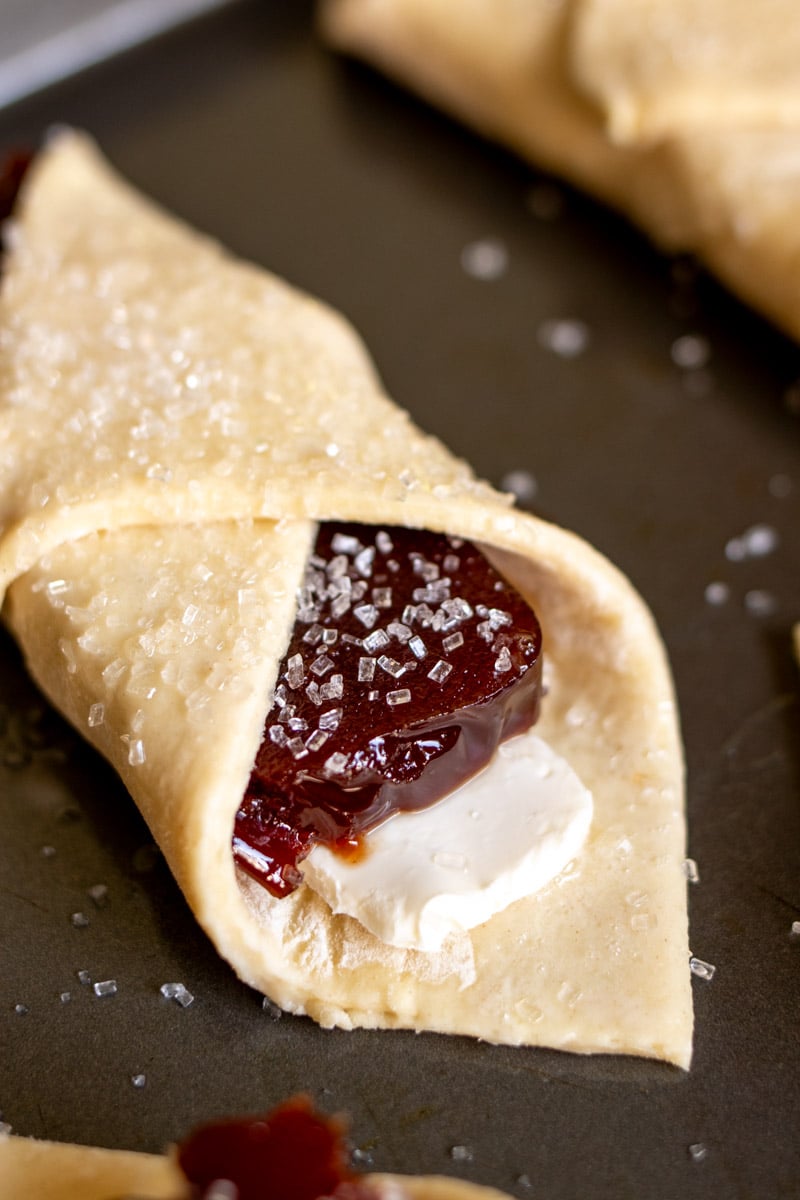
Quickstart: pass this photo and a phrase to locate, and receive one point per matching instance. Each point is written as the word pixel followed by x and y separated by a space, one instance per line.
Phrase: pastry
pixel 174 425
pixel 684 117
pixel 291 1152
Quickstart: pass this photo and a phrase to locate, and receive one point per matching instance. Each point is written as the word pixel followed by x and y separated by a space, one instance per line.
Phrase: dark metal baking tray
pixel 245 125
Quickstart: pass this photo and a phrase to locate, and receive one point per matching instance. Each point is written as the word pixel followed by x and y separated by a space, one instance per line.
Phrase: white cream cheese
pixel 501 836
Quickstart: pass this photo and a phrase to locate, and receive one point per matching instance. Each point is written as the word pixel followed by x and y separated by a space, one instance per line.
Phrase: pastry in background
pixel 685 117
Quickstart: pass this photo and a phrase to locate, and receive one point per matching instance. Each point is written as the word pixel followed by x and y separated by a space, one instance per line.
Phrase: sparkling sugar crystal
pixel 485 259
pixel 566 337
pixel 690 352
pixel 703 970
pixel 520 483
pixel 106 987
pixel 503 661
pixel 691 871
pixel 99 894
pixel 440 671
pixel 760 603
pixel 178 993
pixel 717 593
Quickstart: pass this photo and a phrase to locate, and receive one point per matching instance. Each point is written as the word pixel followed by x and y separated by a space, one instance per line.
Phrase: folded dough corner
pixel 173 424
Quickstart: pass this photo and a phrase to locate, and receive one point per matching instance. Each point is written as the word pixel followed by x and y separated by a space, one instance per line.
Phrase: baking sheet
pixel 319 169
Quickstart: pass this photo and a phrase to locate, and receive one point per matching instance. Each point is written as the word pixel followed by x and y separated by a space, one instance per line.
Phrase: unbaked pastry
pixel 36 1170
pixel 683 116
pixel 173 423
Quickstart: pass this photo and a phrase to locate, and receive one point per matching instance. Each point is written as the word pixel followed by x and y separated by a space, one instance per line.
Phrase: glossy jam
pixel 291 1153
pixel 410 660
pixel 12 172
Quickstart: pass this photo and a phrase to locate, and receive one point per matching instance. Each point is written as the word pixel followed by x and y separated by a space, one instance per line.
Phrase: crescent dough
pixel 56 1171
pixel 173 422
pixel 683 116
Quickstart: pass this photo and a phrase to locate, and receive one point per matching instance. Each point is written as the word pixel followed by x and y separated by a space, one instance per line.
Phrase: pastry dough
pixel 33 1170
pixel 683 116
pixel 657 67
pixel 173 422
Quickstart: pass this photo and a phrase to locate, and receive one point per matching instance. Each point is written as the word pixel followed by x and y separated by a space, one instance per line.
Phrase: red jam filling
pixel 411 658
pixel 12 172
pixel 291 1153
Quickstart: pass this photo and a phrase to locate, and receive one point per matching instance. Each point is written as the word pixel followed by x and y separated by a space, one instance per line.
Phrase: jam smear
pixel 411 658
pixel 290 1153
pixel 12 172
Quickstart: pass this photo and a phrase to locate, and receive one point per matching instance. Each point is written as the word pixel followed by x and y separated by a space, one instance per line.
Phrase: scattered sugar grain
pixel 485 259
pixel 177 992
pixel 273 1010
pixel 65 997
pixel 525 1183
pixel 760 603
pixel 440 671
pixel 136 752
pixel 794 932
pixel 84 978
pixel 99 893
pixel 703 970
pixel 97 715
pixel 698 1152
pixel 461 1154
pixel 105 987
pixel 391 666
pixel 717 593
pixel 401 696
pixel 567 337
pixel 691 352
pixel 755 542
pixel 690 870
pixel 503 661
pixel 521 484
pixel 139 1080
pixel 418 647
pixel 79 920
pixel 21 1010
pixel 361 1157
pixel 48 851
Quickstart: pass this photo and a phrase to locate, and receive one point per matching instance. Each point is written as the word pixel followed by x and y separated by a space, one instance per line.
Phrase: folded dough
pixel 655 68
pixel 682 116
pixel 34 1170
pixel 173 423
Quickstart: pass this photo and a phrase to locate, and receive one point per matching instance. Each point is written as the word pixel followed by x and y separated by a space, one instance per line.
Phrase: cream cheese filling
pixel 432 874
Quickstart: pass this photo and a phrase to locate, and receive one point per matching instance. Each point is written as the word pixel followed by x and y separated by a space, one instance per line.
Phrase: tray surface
pixel 243 124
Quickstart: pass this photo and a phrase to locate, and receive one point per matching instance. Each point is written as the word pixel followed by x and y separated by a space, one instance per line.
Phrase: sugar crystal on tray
pixel 703 970
pixel 107 987
pixel 178 993
pixel 351 767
